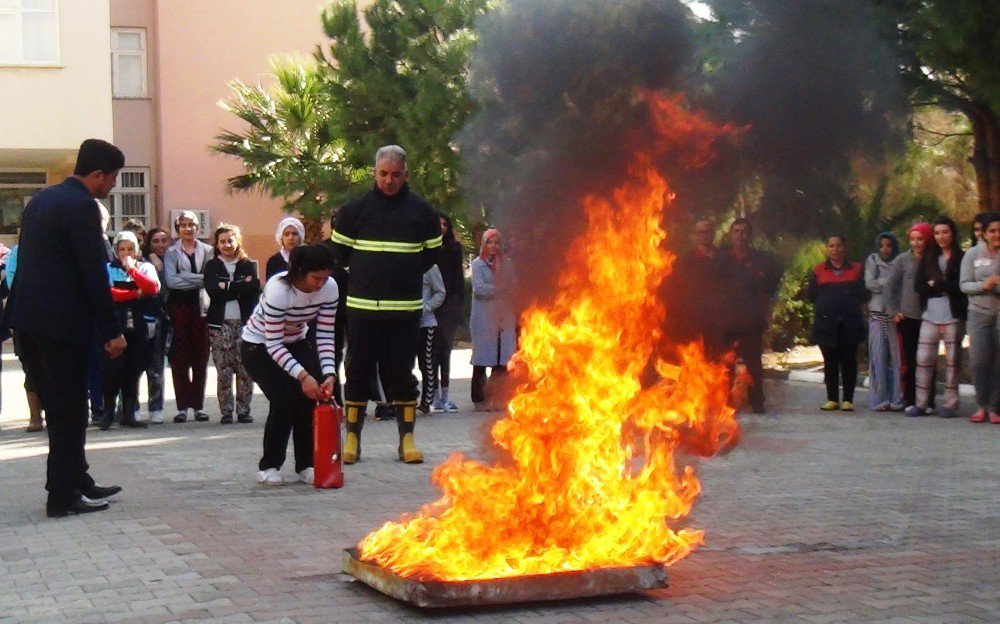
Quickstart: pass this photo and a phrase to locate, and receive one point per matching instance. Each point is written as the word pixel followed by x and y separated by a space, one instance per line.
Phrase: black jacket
pixel 946 284
pixel 452 266
pixel 388 243
pixel 63 294
pixel 235 289
pixel 342 277
pixel 275 264
pixel 837 296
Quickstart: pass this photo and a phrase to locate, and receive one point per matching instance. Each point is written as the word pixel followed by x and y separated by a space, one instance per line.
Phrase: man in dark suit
pixel 56 306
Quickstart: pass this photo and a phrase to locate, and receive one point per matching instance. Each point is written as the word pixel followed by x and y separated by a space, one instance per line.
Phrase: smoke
pixel 560 84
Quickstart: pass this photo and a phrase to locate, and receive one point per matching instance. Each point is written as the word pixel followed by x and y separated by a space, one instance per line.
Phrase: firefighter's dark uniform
pixel 387 243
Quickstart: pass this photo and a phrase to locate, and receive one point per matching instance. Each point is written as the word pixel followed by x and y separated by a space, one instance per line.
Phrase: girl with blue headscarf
pixel 884 358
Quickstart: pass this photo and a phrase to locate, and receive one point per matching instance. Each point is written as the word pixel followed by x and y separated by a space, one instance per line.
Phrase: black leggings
pixel 840 361
pixel 444 341
pixel 479 381
pixel 428 365
pixel 289 411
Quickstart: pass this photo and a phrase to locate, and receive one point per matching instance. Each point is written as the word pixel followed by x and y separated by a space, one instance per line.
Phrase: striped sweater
pixel 282 317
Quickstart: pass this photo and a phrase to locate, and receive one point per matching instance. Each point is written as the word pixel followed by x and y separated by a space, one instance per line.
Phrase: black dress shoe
pixel 81 505
pixel 201 416
pixel 97 492
pixel 137 424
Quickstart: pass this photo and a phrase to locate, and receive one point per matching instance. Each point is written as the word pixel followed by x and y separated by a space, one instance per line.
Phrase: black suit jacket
pixel 61 287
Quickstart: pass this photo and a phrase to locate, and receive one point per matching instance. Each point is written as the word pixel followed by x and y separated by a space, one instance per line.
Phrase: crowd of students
pixel 180 299
pixel 932 294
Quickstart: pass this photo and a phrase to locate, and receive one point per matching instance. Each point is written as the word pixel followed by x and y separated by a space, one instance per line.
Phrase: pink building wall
pixel 202 46
pixel 135 119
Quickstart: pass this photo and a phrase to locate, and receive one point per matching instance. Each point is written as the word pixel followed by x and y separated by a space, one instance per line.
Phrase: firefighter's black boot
pixel 406 417
pixel 354 418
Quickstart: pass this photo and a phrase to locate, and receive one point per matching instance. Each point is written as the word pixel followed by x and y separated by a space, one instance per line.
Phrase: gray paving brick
pixel 815 518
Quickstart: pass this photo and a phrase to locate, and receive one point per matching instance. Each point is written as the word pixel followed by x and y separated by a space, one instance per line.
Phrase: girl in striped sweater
pixel 292 369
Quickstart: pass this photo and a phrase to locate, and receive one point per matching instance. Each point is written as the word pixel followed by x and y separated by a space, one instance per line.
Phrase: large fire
pixel 591 481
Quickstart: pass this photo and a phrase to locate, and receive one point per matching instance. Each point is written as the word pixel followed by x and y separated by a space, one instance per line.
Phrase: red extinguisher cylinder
pixel 328 466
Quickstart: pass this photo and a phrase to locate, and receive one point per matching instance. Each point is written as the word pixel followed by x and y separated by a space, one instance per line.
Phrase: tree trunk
pixel 985 152
pixel 314 229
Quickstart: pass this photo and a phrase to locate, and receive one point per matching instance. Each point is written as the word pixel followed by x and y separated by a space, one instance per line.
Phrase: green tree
pixel 949 51
pixel 398 72
pixel 291 147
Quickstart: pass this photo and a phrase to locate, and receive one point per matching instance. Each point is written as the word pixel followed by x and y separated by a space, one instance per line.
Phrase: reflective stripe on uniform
pixel 387 246
pixel 411 305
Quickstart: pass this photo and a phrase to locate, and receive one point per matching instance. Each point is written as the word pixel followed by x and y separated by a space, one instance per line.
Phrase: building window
pixel 16 188
pixel 29 32
pixel 131 199
pixel 128 62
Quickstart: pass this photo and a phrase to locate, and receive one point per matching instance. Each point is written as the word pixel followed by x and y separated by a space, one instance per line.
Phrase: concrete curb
pixel 964 390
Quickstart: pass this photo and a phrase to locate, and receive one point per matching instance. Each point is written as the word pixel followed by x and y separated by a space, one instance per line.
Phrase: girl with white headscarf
pixel 289 235
pixel 133 284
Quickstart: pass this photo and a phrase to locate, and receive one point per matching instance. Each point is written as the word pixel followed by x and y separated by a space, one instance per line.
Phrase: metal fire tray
pixel 534 588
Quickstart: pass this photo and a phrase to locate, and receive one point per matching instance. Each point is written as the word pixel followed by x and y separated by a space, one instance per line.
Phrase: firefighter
pixel 387 238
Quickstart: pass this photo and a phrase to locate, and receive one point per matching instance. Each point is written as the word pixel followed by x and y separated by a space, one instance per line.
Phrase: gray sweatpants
pixel 984 358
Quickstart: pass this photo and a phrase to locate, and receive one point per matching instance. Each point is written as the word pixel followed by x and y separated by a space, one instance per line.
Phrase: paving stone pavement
pixel 814 518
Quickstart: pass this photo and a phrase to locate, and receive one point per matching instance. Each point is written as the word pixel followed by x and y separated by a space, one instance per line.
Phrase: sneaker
pixel 201 416
pixel 449 406
pixel 979 416
pixel 306 476
pixel 947 412
pixel 244 418
pixel 271 476
pixel 847 406
pixel 424 409
pixel 438 406
pixel 994 418
pixel 896 407
pixel 830 406
pixel 181 417
pixel 881 407
pixel 913 411
pixel 156 418
pixel 226 420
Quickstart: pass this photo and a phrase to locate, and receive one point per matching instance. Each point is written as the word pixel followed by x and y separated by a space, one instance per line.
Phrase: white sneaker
pixel 271 476
pixel 306 476
pixel 156 418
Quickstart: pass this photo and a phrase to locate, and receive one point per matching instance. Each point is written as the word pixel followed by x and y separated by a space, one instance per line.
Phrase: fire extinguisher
pixel 328 466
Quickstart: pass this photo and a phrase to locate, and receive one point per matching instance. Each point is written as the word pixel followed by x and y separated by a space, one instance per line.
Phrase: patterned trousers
pixel 225 342
pixel 927 351
pixel 884 363
pixel 428 365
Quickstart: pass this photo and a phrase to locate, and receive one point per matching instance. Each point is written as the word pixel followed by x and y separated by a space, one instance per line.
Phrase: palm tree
pixel 289 146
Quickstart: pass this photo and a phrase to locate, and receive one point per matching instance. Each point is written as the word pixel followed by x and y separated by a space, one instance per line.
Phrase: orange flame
pixel 592 480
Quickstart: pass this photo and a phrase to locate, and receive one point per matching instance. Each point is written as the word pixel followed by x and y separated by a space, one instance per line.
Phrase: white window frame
pixel 116 55
pixel 114 205
pixel 18 13
pixel 28 186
